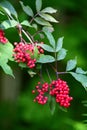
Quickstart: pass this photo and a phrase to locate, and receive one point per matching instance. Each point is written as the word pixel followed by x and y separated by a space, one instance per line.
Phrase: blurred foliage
pixel 23 114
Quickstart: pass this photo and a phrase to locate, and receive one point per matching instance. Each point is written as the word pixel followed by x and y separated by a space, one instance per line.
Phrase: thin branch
pixel 53 67
pixel 56 65
pixel 33 17
pixel 27 36
pixel 62 72
pixel 48 75
pixel 41 77
pixel 37 33
pixel 30 36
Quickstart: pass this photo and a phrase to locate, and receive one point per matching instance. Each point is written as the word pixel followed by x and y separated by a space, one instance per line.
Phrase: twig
pixel 37 33
pixel 62 72
pixel 33 17
pixel 27 36
pixel 48 74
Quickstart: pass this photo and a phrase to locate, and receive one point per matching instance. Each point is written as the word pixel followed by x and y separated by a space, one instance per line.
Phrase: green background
pixel 17 109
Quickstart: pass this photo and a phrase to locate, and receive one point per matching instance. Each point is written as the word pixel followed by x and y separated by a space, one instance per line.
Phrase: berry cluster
pixel 40 50
pixel 41 89
pixel 3 39
pixel 58 88
pixel 24 53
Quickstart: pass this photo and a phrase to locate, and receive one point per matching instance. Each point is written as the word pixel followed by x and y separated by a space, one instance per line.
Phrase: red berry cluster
pixel 41 89
pixel 25 53
pixel 40 50
pixel 58 88
pixel 3 39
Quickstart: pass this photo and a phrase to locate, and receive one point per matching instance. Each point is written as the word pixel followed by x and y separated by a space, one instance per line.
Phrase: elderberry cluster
pixel 41 89
pixel 3 39
pixel 58 88
pixel 24 53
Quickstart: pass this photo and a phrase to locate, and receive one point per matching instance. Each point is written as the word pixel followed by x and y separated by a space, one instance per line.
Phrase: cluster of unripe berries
pixel 58 89
pixel 24 53
pixel 3 39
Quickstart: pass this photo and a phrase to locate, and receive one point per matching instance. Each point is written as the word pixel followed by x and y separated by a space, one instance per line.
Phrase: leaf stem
pixel 56 65
pixel 48 75
pixel 62 72
pixel 27 36
pixel 37 33
pixel 41 77
pixel 33 17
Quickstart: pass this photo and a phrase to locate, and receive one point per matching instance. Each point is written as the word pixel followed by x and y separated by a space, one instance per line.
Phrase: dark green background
pixel 17 109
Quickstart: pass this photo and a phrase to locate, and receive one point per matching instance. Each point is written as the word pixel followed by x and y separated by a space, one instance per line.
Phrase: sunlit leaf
pixel 35 52
pixel 41 21
pixel 8 5
pixel 80 78
pixel 5 10
pixel 50 29
pixel 27 9
pixel 8 24
pixel 80 71
pixel 26 23
pixel 47 47
pixel 71 64
pixel 49 10
pixel 59 44
pixel 46 59
pixel 61 54
pixel 50 37
pixel 2 13
pixel 48 17
pixel 31 73
pixel 38 5
pixel 6 52
pixel 35 26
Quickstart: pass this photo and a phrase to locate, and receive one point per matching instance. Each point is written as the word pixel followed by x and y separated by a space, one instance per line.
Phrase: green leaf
pixel 59 44
pixel 26 23
pixel 7 69
pixel 42 21
pixel 46 47
pixel 80 71
pixel 61 54
pixel 48 17
pixel 62 108
pixel 27 9
pixel 2 13
pixel 52 104
pixel 80 78
pixel 35 52
pixel 45 59
pixel 5 10
pixel 31 73
pixel 50 37
pixel 38 5
pixel 49 10
pixel 71 64
pixel 22 65
pixel 50 29
pixel 35 26
pixel 84 114
pixel 8 24
pixel 6 53
pixel 9 6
